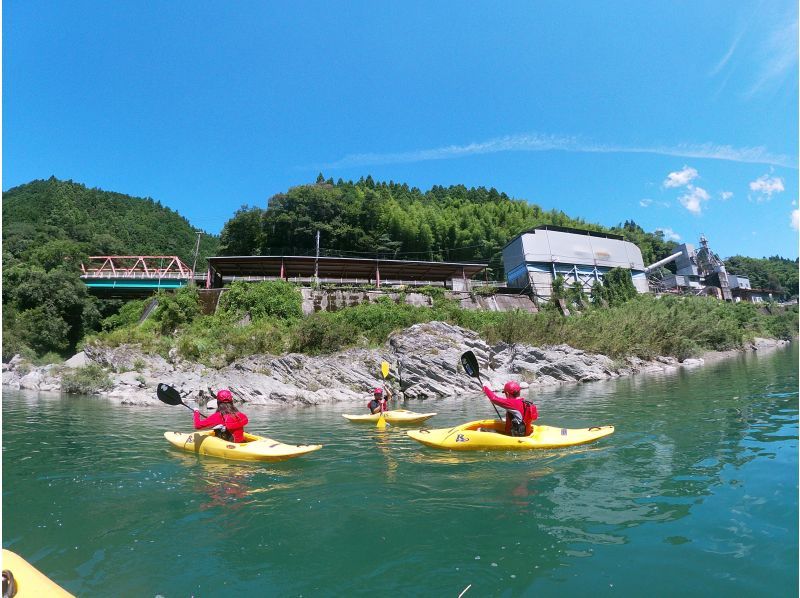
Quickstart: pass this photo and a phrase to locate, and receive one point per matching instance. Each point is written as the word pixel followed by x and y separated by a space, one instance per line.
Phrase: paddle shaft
pixel 480 381
pixel 382 423
pixel 469 357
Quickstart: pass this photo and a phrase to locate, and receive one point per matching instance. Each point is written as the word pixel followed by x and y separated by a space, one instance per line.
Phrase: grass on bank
pixel 267 318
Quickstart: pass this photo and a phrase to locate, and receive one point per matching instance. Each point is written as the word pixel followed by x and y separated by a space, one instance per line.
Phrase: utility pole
pixel 196 251
pixel 316 264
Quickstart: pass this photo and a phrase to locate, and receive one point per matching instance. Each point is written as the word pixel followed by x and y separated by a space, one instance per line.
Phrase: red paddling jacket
pixel 233 422
pixel 516 408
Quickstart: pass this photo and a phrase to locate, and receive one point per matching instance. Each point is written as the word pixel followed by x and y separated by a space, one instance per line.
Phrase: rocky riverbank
pixel 424 364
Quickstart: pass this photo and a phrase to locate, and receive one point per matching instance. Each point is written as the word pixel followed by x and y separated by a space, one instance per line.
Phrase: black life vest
pixel 518 425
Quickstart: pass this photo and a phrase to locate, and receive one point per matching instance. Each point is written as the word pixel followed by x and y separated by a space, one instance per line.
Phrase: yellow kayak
pixel 394 416
pixel 487 435
pixel 255 448
pixel 29 581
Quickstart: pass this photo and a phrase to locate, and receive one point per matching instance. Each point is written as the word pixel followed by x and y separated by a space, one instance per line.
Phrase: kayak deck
pixel 29 581
pixel 394 416
pixel 255 448
pixel 488 434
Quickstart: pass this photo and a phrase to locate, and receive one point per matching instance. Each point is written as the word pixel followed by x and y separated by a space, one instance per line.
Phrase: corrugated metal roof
pixel 340 267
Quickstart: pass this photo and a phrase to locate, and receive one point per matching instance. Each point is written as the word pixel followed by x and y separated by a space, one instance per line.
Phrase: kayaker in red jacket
pixel 227 416
pixel 520 414
pixel 378 402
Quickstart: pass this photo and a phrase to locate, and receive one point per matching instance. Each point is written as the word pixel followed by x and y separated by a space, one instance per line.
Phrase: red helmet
pixel 224 396
pixel 511 388
pixel 377 391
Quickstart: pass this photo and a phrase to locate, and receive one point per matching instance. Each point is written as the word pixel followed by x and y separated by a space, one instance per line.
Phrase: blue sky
pixel 680 116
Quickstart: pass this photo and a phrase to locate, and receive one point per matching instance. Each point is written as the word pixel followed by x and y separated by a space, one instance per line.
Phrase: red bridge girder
pixel 135 266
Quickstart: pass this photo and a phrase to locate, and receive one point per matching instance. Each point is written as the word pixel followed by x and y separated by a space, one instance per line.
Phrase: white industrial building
pixel 534 258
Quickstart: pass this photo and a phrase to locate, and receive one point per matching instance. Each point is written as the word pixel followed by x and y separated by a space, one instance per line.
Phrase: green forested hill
pixel 397 221
pixel 773 272
pixel 49 228
pixel 97 222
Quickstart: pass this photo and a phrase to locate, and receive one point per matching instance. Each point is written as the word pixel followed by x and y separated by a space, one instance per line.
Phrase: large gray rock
pixel 78 360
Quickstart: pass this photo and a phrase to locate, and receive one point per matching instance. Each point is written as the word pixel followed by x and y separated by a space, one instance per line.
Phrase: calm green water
pixel 696 494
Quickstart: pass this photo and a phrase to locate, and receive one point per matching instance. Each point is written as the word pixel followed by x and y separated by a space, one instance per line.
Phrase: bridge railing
pixel 136 266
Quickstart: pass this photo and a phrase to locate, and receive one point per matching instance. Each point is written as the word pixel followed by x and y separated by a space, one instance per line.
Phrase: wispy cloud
pixel 680 178
pixel 532 142
pixel 693 199
pixel 765 186
pixel 725 195
pixel 777 57
pixel 764 50
pixel 724 60
pixel 796 219
pixel 646 202
pixel 669 234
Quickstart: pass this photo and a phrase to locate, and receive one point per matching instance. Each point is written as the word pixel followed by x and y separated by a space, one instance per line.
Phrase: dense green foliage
pixel 275 299
pixel 45 310
pixel 774 273
pixel 49 228
pixel 177 308
pixel 397 221
pixel 617 287
pixel 643 325
pixel 128 314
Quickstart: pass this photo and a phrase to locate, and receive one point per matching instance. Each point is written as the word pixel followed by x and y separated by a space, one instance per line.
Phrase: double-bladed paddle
pixel 470 364
pixel 384 372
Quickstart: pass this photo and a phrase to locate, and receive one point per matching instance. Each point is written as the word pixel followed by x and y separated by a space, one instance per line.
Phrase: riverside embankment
pixel 424 363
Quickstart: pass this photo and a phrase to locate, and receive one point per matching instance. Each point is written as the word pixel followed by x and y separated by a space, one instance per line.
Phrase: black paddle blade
pixel 470 363
pixel 167 394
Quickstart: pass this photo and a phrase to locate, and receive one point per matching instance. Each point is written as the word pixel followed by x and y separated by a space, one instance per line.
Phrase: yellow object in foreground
pixel 487 435
pixel 395 416
pixel 30 582
pixel 256 448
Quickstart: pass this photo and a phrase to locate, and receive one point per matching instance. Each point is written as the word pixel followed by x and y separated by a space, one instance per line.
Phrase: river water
pixel 695 494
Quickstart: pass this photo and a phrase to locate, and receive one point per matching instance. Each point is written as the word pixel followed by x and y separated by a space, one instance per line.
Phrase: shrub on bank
pixel 128 315
pixel 275 299
pixel 177 309
pixel 86 380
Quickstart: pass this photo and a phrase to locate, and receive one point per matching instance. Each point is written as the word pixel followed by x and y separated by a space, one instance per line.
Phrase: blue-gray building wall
pixel 535 258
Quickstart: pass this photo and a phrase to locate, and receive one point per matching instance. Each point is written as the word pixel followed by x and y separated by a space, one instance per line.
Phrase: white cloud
pixel 694 198
pixel 532 142
pixel 796 219
pixel 680 178
pixel 669 234
pixel 725 195
pixel 765 186
pixel 645 202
